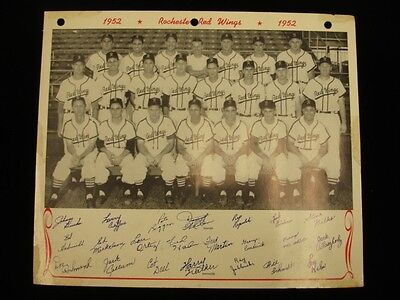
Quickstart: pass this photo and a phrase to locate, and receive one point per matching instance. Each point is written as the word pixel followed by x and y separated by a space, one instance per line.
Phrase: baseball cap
pixel 258 39
pixel 180 56
pixel 154 101
pixel 308 102
pixel 281 64
pixel 117 100
pixel 78 57
pixel 212 60
pixel 325 59
pixel 168 35
pixel 137 37
pixel 195 101
pixel 226 36
pixel 229 103
pixel 248 64
pixel 148 56
pixel 79 98
pixel 267 104
pixel 111 54
pixel 295 35
pixel 107 36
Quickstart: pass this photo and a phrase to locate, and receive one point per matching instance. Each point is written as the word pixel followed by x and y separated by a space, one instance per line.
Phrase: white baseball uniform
pixel 180 91
pixel 213 96
pixel 230 66
pixel 97 63
pixel 268 136
pixel 111 87
pixel 265 67
pixel 197 63
pixel 143 89
pixel 132 64
pixel 165 63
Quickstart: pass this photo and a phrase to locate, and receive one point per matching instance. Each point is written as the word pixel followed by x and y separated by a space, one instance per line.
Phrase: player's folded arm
pixel 131 145
pixel 100 144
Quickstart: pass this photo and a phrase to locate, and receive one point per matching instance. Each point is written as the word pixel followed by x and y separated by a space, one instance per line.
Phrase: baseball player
pixel 265 64
pixel 79 134
pixel 268 142
pixel 116 144
pixel 248 93
pixel 131 63
pixel 300 63
pixel 148 84
pixel 195 146
pixel 308 146
pixel 77 85
pixel 178 91
pixel 213 91
pixel 231 148
pixel 112 84
pixel 285 94
pixel 97 62
pixel 197 61
pixel 165 58
pixel 229 61
pixel 328 93
pixel 156 140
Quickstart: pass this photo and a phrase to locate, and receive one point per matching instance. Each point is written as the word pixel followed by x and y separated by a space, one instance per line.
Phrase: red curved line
pixel 47 238
pixel 349 228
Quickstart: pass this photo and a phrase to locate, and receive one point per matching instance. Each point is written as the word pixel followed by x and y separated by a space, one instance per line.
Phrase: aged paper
pixel 198 149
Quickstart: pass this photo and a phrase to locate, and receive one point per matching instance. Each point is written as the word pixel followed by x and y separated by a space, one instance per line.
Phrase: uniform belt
pixel 243 115
pixel 140 107
pixel 298 81
pixel 279 115
pixel 215 109
pixel 103 107
pixel 180 109
pixel 326 112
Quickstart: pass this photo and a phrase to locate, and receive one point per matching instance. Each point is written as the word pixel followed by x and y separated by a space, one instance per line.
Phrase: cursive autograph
pixel 193 222
pixel 277 220
pixel 181 244
pixel 193 267
pixel 161 224
pixel 103 244
pixel 239 264
pixel 113 222
pixel 293 239
pixel 156 267
pixel 67 222
pixel 252 244
pixel 143 243
pixel 325 241
pixel 213 244
pixel 70 268
pixel 68 245
pixel 239 220
pixel 314 265
pixel 277 267
pixel 114 264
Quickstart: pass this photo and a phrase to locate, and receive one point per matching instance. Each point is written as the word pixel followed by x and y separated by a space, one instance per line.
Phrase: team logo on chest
pixel 77 93
pixel 261 70
pixel 147 91
pixel 268 138
pixel 117 141
pixel 195 138
pixel 134 69
pixel 181 91
pixel 113 88
pixel 229 66
pixel 297 64
pixel 230 140
pixel 101 67
pixel 80 139
pixel 156 134
pixel 325 92
pixel 308 137
pixel 248 97
pixel 282 96
pixel 213 95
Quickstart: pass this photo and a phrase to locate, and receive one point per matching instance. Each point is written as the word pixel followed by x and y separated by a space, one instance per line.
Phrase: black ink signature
pixel 70 268
pixel 240 263
pixel 102 244
pixel 113 222
pixel 212 244
pixel 315 266
pixel 276 266
pixel 252 244
pixel 325 220
pixel 161 224
pixel 312 216
pixel 67 245
pixel 325 241
pixel 196 267
pixel 181 244
pixel 193 222
pixel 157 269
pixel 114 264
pixel 67 222
pixel 238 221
pixel 277 220
pixel 293 239
pixel 143 243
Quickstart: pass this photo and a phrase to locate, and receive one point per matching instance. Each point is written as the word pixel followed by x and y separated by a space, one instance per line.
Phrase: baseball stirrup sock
pixel 252 185
pixel 206 181
pixel 57 183
pixel 181 181
pixel 89 182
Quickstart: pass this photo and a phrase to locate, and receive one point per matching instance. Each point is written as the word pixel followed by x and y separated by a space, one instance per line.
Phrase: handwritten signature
pixel 191 267
pixel 314 265
pixel 102 244
pixel 154 265
pixel 161 224
pixel 238 221
pixel 277 267
pixel 213 244
pixel 193 222
pixel 252 244
pixel 73 267
pixel 277 220
pixel 293 239
pixel 239 264
pixel 181 244
pixel 114 264
pixel 325 241
pixel 143 243
pixel 113 222
pixel 67 222
pixel 68 245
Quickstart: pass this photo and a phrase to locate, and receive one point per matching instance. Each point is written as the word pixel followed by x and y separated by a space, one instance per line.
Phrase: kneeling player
pixel 268 142
pixel 195 145
pixel 116 144
pixel 79 134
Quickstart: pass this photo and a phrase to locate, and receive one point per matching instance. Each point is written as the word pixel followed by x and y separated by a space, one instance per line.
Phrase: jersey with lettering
pixel 298 65
pixel 165 63
pixel 325 93
pixel 230 66
pixel 80 135
pixel 97 63
pixel 115 136
pixel 71 88
pixel 284 96
pixel 195 136
pixel 180 89
pixel 146 88
pixel 197 63
pixel 248 97
pixel 112 87
pixel 213 94
pixel 155 135
pixel 308 137
pixel 265 67
pixel 231 139
pixel 132 64
pixel 268 135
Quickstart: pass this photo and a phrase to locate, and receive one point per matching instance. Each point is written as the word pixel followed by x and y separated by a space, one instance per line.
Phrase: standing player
pixel 197 61
pixel 268 142
pixel 248 93
pixel 156 140
pixel 77 85
pixel 97 62
pixel 285 94
pixel 308 146
pixel 300 63
pixel 178 91
pixel 131 64
pixel 265 64
pixel 113 84
pixel 231 148
pixel 230 61
pixel 328 93
pixel 213 91
pixel 116 144
pixel 79 134
pixel 195 146
pixel 148 84
pixel 165 58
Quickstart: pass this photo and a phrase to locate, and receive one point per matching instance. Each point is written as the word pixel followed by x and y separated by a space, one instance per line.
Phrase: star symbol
pixel 139 21
pixel 259 23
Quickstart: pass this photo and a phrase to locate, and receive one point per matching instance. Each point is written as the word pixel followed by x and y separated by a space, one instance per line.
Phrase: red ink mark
pixel 47 225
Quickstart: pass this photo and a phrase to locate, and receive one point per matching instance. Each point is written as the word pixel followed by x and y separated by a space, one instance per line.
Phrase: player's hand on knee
pixel 343 128
pixel 59 132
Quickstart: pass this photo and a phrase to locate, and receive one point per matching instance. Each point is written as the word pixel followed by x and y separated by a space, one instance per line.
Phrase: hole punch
pixel 194 22
pixel 328 25
pixel 60 22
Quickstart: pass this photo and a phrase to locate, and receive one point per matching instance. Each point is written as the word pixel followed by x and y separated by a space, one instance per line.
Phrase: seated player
pixel 116 144
pixel 79 134
pixel 195 146
pixel 268 142
pixel 156 140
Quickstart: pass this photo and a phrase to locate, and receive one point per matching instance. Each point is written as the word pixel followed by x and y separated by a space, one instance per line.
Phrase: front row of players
pixel 195 146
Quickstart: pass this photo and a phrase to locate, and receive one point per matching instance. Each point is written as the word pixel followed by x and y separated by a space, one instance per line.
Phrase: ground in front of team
pixel 315 195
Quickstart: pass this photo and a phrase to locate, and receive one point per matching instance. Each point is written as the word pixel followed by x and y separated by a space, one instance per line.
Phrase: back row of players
pixel 248 82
